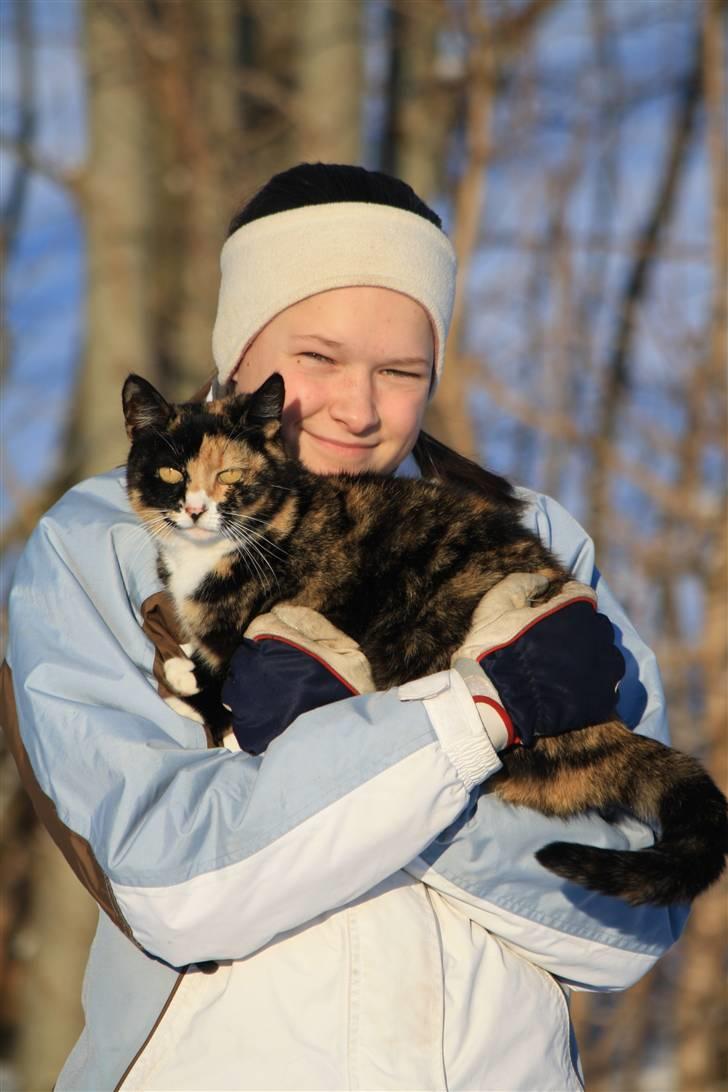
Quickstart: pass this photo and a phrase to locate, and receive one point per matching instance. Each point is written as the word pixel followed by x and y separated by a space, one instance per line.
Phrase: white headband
pixel 277 261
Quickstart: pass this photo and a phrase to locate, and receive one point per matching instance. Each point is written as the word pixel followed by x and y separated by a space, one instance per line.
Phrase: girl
pixel 344 908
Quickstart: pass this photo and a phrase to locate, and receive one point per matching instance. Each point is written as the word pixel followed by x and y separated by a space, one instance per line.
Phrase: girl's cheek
pixel 410 413
pixel 307 394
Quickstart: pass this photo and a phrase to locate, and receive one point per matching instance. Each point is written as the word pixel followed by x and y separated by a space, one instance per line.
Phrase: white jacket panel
pixel 398 991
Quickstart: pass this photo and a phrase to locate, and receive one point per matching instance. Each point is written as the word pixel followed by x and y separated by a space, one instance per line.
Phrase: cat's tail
pixel 669 791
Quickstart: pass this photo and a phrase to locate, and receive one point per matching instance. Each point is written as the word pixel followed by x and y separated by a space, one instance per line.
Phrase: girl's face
pixel 357 364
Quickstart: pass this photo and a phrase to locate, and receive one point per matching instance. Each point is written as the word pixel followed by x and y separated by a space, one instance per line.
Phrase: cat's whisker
pixel 245 549
pixel 154 525
pixel 143 536
pixel 261 547
pixel 146 531
pixel 253 559
pixel 275 551
pixel 255 567
pixel 274 546
pixel 253 552
pixel 264 560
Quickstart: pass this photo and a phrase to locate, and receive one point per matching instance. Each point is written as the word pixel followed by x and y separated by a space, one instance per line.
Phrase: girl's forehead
pixel 358 312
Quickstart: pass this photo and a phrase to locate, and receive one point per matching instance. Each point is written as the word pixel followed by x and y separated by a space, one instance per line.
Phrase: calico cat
pixel 399 565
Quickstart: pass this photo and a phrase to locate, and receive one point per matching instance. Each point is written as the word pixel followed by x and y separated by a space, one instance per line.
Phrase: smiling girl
pixel 348 908
pixel 357 364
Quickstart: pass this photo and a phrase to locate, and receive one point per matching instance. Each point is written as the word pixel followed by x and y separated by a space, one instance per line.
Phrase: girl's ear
pixel 266 404
pixel 144 406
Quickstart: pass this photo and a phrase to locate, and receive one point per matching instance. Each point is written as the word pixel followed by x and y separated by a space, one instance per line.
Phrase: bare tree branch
pixel 12 211
pixel 71 180
pixel 616 376
pixel 700 509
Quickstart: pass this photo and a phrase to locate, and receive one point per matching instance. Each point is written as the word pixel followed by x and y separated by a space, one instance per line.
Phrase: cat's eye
pixel 231 475
pixel 170 475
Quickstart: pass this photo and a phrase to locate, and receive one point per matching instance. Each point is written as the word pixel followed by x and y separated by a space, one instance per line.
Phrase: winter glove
pixel 549 667
pixel 291 660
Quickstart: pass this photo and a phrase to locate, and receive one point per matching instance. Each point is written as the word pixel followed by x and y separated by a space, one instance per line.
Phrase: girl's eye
pixel 400 373
pixel 318 356
pixel 230 476
pixel 170 474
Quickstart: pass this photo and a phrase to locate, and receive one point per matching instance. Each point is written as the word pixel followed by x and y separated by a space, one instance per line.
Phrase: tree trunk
pixel 420 103
pixel 267 80
pixel 329 71
pixel 195 112
pixel 118 223
pixel 450 418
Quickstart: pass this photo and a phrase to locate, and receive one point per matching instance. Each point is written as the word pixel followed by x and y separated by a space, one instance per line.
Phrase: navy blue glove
pixel 269 684
pixel 558 675
pixel 554 666
pixel 550 664
pixel 297 661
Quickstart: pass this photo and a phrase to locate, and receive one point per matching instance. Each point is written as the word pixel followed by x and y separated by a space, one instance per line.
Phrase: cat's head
pixel 202 472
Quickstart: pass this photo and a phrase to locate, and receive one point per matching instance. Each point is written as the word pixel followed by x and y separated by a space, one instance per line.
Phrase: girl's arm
pixel 485 863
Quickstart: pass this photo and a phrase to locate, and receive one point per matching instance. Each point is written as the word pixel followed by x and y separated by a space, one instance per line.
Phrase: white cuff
pixel 493 715
pixel 458 724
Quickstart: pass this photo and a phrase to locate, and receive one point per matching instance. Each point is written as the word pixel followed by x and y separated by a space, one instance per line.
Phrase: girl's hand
pixel 553 666
pixel 292 660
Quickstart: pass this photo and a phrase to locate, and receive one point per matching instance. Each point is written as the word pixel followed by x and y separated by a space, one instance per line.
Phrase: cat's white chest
pixel 189 563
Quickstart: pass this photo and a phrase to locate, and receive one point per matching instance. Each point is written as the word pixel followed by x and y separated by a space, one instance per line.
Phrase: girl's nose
pixel 354 404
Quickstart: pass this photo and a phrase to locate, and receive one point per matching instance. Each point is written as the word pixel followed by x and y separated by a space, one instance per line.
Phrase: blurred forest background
pixel 576 150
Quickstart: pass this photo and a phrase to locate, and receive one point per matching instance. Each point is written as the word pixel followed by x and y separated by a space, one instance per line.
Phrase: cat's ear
pixel 266 404
pixel 144 406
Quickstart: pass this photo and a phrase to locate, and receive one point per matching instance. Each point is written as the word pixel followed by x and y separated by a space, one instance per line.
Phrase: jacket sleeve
pixel 485 863
pixel 204 853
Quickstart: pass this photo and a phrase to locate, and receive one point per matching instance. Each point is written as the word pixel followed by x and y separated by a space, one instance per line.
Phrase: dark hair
pixel 326 183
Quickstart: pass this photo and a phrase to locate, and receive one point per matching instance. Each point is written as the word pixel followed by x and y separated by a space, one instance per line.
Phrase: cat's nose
pixel 194 511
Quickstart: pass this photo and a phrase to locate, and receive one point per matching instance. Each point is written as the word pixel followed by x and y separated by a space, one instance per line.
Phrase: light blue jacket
pixel 369 921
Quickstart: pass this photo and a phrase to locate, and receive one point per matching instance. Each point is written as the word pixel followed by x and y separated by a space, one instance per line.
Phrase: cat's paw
pixel 184 709
pixel 180 674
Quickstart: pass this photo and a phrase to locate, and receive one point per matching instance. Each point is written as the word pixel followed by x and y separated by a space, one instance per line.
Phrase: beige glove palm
pixel 310 631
